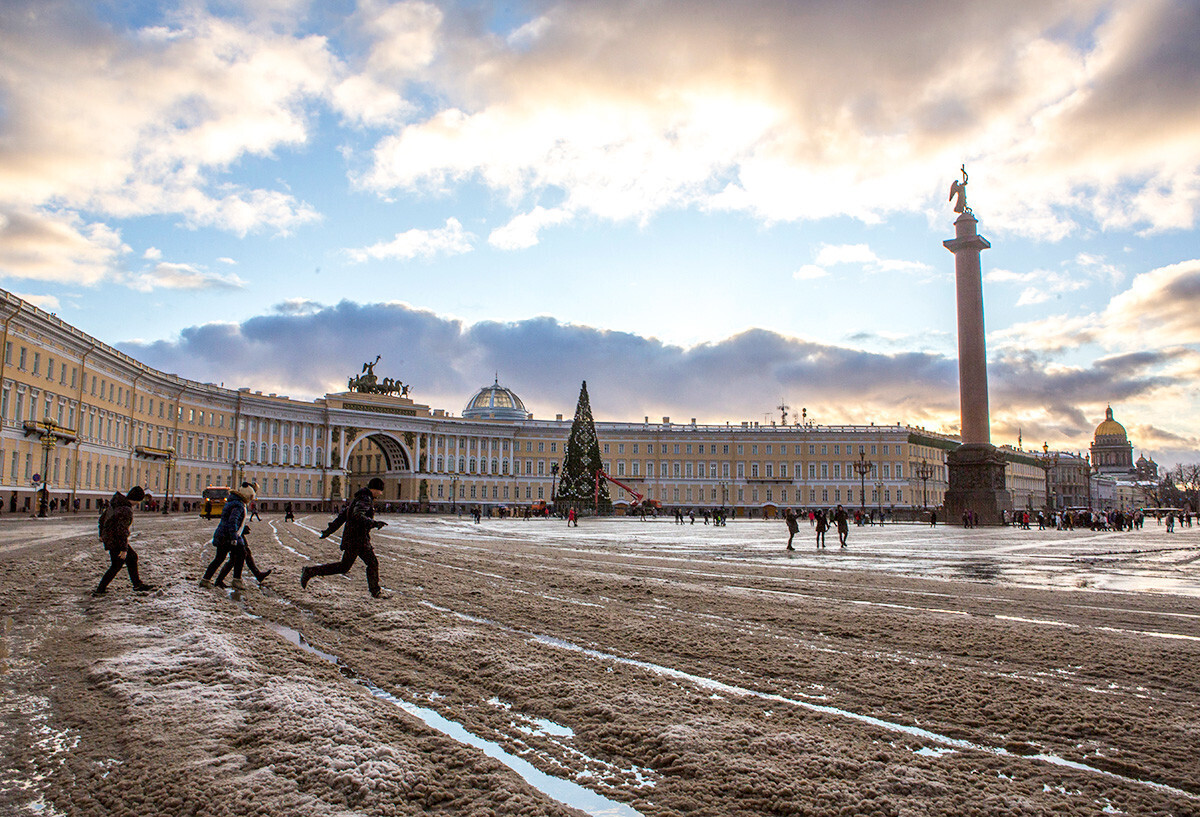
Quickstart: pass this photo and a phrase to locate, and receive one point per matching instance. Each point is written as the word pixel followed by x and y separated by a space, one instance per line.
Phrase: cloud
pixel 450 239
pixel 59 246
pixel 862 255
pixel 126 123
pixel 764 117
pixel 810 272
pixel 306 349
pixel 166 275
pixel 46 302
pixel 523 230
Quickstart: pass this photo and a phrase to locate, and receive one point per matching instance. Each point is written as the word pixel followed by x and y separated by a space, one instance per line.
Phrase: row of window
pixel 706 494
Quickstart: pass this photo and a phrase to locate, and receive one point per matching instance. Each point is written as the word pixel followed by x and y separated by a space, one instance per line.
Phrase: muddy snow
pixel 618 668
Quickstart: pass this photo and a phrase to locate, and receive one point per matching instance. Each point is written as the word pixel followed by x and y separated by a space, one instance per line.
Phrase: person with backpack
pixel 115 522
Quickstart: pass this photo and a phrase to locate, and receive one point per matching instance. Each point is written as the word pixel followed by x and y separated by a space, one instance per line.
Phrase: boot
pixel 206 583
pixel 305 575
pixel 236 584
pixel 142 587
pixel 262 577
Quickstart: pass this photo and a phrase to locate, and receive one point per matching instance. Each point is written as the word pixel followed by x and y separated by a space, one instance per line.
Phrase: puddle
pixel 564 791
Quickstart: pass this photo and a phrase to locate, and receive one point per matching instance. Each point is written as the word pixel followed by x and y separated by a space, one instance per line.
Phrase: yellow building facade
pixel 88 420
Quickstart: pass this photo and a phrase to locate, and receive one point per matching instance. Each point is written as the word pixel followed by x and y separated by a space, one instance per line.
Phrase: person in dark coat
pixel 789 516
pixel 356 540
pixel 227 538
pixel 114 533
pixel 843 524
pixel 822 525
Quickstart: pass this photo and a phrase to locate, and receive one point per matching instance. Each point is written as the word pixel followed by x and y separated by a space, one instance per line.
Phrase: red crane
pixel 637 498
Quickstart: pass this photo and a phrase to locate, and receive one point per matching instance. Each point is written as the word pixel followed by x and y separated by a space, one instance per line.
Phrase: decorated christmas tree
pixel 582 460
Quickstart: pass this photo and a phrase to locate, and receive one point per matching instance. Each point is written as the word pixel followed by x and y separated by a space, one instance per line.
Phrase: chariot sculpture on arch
pixel 367 383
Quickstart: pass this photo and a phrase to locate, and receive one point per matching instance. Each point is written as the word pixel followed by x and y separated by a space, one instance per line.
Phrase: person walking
pixel 822 525
pixel 843 524
pixel 571 518
pixel 288 515
pixel 114 525
pixel 356 541
pixel 227 538
pixel 789 517
pixel 254 510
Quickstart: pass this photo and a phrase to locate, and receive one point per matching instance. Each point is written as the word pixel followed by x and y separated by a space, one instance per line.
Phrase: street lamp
pixel 862 468
pixel 167 493
pixel 241 471
pixel 1047 461
pixel 924 471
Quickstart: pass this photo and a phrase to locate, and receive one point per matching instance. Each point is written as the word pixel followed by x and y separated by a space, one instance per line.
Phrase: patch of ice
pixel 934 751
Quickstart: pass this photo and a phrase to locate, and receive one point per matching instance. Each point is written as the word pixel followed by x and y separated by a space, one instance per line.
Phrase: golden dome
pixel 1110 427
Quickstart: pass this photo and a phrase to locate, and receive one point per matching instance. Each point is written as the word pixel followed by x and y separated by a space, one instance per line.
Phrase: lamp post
pixel 167 493
pixel 862 468
pixel 1047 461
pixel 924 472
pixel 48 443
pixel 879 495
pixel 241 471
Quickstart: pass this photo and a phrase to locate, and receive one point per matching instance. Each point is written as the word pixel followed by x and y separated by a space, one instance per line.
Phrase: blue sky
pixel 702 208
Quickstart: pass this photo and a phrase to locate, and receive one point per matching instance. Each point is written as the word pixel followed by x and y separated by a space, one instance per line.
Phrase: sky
pixel 704 209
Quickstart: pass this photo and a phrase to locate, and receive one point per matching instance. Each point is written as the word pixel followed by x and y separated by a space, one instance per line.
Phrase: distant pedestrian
pixel 822 525
pixel 843 525
pixel 356 540
pixel 789 518
pixel 254 511
pixel 114 525
pixel 288 515
pixel 933 519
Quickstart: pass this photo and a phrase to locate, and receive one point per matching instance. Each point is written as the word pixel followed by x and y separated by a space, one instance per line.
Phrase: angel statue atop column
pixel 959 189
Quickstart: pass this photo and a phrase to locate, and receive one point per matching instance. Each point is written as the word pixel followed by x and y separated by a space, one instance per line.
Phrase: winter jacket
pixel 360 519
pixel 233 520
pixel 115 523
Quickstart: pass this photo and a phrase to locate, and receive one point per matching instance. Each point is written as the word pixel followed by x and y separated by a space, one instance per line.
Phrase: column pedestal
pixel 977 484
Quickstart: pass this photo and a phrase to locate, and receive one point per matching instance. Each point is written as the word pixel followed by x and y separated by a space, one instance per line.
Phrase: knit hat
pixel 376 484
pixel 246 492
pixel 135 494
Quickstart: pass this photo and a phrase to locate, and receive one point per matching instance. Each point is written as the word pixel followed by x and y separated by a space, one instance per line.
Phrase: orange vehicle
pixel 214 498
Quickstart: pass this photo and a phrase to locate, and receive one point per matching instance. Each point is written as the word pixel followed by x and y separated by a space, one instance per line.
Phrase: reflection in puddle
pixel 564 791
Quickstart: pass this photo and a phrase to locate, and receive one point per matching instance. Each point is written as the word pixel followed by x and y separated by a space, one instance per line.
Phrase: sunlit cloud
pixel 165 275
pixel 450 239
pixel 584 100
pixel 57 246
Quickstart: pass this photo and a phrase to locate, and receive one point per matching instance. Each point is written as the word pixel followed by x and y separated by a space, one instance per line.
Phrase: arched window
pixel 284 455
pixel 262 452
pixel 296 455
pixel 439 464
pixel 495 467
pixel 274 454
pixel 462 464
pixel 241 449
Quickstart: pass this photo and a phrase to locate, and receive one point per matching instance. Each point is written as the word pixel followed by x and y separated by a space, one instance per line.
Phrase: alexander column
pixel 976 467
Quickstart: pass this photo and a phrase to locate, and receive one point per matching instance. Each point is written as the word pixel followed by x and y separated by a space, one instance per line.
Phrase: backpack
pixel 105 515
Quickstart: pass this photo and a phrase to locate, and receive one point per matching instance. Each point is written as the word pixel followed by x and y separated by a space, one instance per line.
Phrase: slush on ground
pixel 521 667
